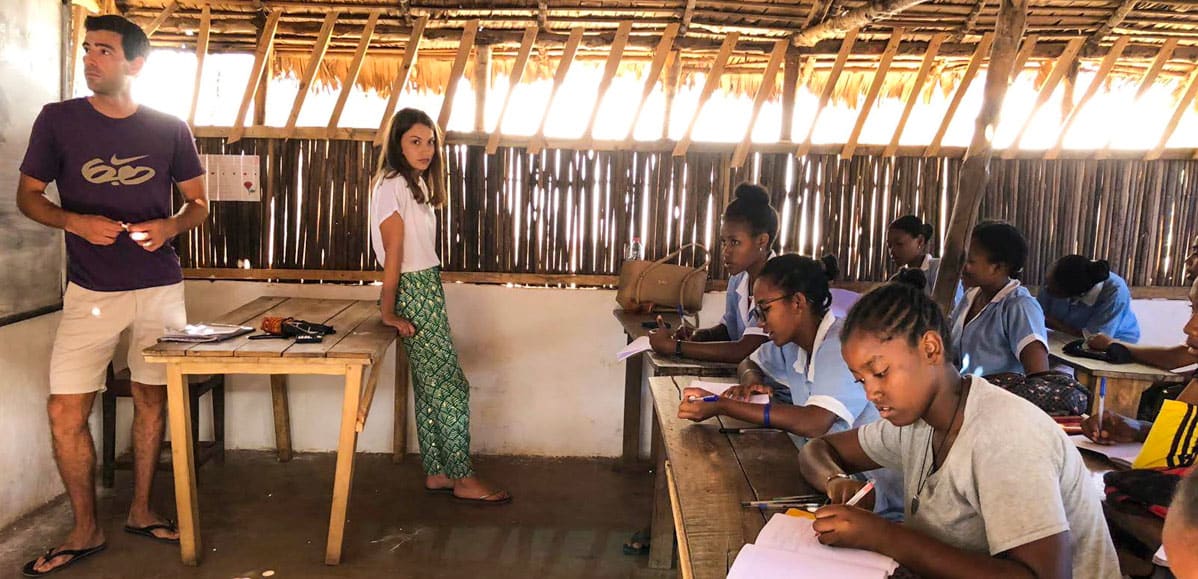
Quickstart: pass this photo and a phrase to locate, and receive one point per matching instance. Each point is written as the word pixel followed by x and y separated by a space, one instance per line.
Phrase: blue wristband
pixel 766 419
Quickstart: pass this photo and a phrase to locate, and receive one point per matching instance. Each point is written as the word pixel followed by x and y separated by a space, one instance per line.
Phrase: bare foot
pixel 148 518
pixel 75 541
pixel 473 488
pixel 436 482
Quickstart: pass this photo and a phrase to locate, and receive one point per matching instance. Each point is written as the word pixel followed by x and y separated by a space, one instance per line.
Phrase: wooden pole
pixel 314 59
pixel 201 52
pixel 872 12
pixel 659 62
pixel 265 41
pixel 1182 106
pixel 1158 64
pixel 153 26
pixel 846 48
pixel 480 81
pixel 896 38
pixel 673 77
pixel 1012 17
pixel 929 58
pixel 1059 69
pixel 764 90
pixel 790 87
pixel 559 76
pixel 455 73
pixel 975 63
pixel 530 37
pixel 1104 69
pixel 609 72
pixel 355 67
pixel 713 81
pixel 401 78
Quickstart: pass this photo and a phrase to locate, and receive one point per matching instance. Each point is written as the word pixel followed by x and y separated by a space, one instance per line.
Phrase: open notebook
pixel 1123 454
pixel 718 388
pixel 787 548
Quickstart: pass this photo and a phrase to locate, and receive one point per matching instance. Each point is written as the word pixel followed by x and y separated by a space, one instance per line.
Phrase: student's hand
pixel 95 229
pixel 1116 428
pixel 402 325
pixel 849 527
pixel 153 234
pixel 742 393
pixel 661 341
pixel 840 490
pixel 698 410
pixel 1099 342
pixel 684 332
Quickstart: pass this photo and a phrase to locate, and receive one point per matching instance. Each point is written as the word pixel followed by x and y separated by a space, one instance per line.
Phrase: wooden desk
pixel 1124 382
pixel 701 478
pixel 659 365
pixel 359 344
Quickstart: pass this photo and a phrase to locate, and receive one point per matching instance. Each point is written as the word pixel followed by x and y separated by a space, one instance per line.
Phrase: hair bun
pixel 831 268
pixel 913 277
pixel 752 193
pixel 927 231
pixel 1100 270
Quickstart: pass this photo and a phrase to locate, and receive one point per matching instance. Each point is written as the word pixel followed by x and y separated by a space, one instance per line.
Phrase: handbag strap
pixel 636 293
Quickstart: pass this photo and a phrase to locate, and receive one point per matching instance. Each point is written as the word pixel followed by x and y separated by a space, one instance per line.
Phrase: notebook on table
pixel 787 548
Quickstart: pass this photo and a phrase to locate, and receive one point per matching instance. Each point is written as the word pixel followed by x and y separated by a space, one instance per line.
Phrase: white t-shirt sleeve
pixel 386 200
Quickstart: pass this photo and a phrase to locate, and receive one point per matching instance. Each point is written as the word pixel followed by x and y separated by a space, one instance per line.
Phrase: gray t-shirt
pixel 1012 477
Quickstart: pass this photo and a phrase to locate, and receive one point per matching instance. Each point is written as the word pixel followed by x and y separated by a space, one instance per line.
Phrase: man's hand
pixel 153 234
pixel 95 229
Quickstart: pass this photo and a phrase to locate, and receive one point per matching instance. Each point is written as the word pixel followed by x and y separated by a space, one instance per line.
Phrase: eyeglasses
pixel 760 310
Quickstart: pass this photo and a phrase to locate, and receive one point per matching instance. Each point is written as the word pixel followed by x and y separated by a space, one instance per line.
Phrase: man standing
pixel 114 162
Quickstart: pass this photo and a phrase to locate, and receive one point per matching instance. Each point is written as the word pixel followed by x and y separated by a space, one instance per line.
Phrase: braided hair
pixel 897 310
pixel 799 274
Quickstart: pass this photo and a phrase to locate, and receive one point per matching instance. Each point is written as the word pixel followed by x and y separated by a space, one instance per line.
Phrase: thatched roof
pixel 236 24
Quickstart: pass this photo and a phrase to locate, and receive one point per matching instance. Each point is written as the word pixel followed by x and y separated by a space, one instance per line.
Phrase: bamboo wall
pixel 568 211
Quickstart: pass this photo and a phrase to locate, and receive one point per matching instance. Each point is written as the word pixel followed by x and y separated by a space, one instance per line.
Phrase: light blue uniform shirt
pixel 991 342
pixel 931 268
pixel 1105 309
pixel 739 315
pixel 821 380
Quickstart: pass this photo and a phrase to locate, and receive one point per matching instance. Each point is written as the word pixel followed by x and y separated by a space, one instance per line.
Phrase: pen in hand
pixel 869 486
pixel 708 398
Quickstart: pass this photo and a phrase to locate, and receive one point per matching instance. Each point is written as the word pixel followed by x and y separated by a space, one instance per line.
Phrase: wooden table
pixel 1124 382
pixel 659 365
pixel 359 344
pixel 701 478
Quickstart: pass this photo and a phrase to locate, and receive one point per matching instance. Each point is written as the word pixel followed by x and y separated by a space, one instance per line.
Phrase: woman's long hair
pixel 394 163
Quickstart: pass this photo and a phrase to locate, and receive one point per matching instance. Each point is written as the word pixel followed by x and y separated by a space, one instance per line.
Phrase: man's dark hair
pixel 133 39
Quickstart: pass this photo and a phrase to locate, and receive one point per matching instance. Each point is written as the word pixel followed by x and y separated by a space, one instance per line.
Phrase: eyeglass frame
pixel 761 313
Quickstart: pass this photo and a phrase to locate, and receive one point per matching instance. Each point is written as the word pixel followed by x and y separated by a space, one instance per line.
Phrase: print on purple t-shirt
pixel 121 169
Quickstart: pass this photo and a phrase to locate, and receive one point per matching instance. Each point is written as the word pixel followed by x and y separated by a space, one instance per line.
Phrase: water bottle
pixel 635 250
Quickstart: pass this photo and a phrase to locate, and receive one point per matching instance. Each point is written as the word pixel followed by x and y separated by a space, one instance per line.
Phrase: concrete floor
pixel 569 519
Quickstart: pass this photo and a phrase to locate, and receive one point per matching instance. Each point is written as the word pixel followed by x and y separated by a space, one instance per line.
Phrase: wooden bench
pixel 701 478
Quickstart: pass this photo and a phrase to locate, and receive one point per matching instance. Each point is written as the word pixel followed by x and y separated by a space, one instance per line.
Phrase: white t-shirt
pixel 392 195
pixel 1012 477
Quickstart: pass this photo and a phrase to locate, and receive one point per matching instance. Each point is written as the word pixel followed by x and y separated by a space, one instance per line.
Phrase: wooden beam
pixel 817 9
pixel 1012 16
pixel 530 37
pixel 972 20
pixel 673 78
pixel 871 13
pixel 1115 19
pixel 1099 77
pixel 265 42
pixel 609 72
pixel 201 52
pixel 790 86
pixel 559 76
pixel 929 58
pixel 480 81
pixel 764 91
pixel 1182 106
pixel 455 73
pixel 846 48
pixel 1158 63
pixel 355 67
pixel 401 79
pixel 688 12
pixel 314 59
pixel 659 61
pixel 1058 72
pixel 896 37
pixel 975 62
pixel 1025 52
pixel 154 25
pixel 713 81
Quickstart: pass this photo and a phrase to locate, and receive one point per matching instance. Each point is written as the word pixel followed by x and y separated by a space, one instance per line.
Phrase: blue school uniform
pixel 991 342
pixel 740 316
pixel 1104 309
pixel 822 379
pixel 931 268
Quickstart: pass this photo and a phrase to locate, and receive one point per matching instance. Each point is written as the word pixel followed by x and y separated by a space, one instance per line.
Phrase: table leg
pixel 399 446
pixel 661 531
pixel 346 448
pixel 633 367
pixel 183 462
pixel 278 395
pixel 1123 395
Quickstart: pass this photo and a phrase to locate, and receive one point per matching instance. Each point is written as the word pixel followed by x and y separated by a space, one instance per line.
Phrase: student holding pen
pixel 993 487
pixel 746 236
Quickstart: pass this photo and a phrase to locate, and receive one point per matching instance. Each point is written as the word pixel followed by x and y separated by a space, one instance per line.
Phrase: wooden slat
pixel 319 310
pixel 713 81
pixel 1025 52
pixel 526 43
pixel 975 62
pixel 929 58
pixel 369 340
pixel 1182 106
pixel 154 25
pixel 1158 64
pixel 344 323
pixel 764 91
pixel 846 48
pixel 1108 62
pixel 405 70
pixel 201 53
pixel 314 59
pixel 455 73
pixel 790 86
pixel 239 316
pixel 896 38
pixel 265 42
pixel 559 76
pixel 1062 65
pixel 659 61
pixel 609 72
pixel 355 67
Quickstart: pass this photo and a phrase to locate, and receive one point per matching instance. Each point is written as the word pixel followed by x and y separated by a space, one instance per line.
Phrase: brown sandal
pixel 486 499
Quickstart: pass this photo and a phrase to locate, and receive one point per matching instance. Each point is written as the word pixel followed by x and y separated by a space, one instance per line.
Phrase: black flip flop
pixel 74 554
pixel 148 531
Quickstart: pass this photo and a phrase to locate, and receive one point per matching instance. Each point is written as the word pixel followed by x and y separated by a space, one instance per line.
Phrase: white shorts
pixel 92 323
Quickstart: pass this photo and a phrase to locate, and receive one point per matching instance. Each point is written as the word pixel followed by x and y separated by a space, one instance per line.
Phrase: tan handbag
pixel 647 285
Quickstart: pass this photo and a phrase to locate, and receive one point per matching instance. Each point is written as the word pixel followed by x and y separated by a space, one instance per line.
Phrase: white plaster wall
pixel 1161 321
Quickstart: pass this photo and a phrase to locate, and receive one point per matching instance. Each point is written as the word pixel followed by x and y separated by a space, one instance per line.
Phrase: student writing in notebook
pixel 993 487
pixel 746 236
pixel 1084 297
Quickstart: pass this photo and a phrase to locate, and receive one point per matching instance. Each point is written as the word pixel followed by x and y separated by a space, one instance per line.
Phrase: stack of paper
pixel 788 548
pixel 197 333
pixel 1123 454
pixel 637 346
pixel 718 388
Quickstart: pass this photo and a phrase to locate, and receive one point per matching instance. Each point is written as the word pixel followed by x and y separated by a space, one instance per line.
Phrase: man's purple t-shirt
pixel 121 169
